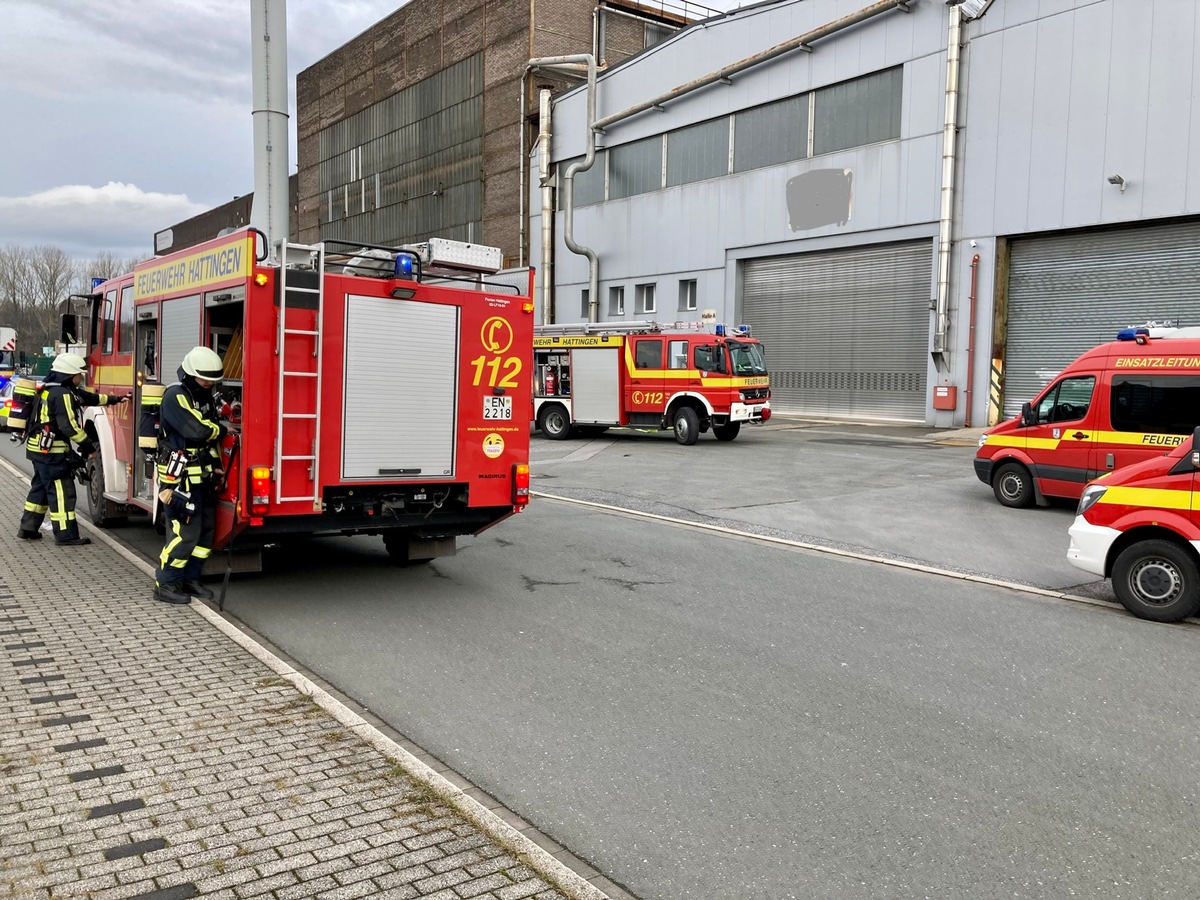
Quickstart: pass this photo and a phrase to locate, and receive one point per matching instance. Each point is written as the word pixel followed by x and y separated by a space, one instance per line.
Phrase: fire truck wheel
pixel 727 432
pixel 1013 485
pixel 687 426
pixel 1157 580
pixel 97 505
pixel 554 422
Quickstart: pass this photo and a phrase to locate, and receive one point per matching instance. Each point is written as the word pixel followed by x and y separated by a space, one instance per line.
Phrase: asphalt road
pixel 704 716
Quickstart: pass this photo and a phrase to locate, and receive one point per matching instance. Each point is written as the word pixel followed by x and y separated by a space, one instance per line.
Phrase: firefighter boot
pixel 196 589
pixel 28 535
pixel 171 592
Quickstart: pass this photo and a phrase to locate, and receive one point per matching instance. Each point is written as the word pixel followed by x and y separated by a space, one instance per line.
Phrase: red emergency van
pixel 1118 404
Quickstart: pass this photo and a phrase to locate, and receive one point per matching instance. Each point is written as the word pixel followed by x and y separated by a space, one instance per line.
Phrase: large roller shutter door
pixel 1068 293
pixel 846 331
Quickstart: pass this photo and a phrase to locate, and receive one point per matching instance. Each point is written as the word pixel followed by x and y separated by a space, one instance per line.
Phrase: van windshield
pixel 748 359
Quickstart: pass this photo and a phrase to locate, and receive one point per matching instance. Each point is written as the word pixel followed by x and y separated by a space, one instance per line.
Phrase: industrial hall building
pixel 924 210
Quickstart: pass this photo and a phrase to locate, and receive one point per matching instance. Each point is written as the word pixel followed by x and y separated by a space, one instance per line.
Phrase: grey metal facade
pixel 1055 96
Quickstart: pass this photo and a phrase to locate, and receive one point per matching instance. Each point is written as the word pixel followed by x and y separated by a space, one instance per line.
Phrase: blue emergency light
pixel 404 266
pixel 721 330
pixel 1131 334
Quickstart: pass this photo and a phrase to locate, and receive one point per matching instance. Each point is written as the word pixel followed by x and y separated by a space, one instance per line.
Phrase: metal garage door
pixel 1068 293
pixel 846 331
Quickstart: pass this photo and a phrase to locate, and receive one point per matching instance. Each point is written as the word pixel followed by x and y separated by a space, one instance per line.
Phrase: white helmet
pixel 69 364
pixel 201 362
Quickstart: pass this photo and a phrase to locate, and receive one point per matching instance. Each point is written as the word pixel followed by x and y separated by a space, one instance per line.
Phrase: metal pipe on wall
pixel 946 221
pixel 547 206
pixel 971 338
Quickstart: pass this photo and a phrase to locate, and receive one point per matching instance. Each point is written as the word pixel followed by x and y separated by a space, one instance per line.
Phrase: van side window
pixel 1068 402
pixel 648 354
pixel 1159 405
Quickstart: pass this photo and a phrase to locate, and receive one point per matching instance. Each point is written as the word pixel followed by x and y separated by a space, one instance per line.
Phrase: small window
pixel 687 294
pixel 616 301
pixel 708 358
pixel 110 303
pixel 1158 405
pixel 1068 402
pixel 644 298
pixel 125 339
pixel 677 355
pixel 648 354
pixel 584 304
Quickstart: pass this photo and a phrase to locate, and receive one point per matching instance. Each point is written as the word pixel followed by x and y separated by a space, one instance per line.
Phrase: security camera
pixel 1115 179
pixel 974 244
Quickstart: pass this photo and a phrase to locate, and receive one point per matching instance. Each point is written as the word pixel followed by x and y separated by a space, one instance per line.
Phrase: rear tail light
pixel 260 489
pixel 520 485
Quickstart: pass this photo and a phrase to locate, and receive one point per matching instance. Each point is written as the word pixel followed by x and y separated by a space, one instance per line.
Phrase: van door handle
pixel 1109 461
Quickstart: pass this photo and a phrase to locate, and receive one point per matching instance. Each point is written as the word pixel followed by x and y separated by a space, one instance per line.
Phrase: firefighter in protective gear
pixel 189 465
pixel 54 424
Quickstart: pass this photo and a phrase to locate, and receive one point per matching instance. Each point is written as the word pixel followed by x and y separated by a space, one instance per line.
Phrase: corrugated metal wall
pixel 410 166
pixel 1068 293
pixel 846 331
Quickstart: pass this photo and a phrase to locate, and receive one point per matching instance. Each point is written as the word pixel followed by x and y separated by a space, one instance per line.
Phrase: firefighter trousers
pixel 189 538
pixel 52 490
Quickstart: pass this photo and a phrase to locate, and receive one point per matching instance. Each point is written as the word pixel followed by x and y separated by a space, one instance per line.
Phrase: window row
pixel 851 114
pixel 645 299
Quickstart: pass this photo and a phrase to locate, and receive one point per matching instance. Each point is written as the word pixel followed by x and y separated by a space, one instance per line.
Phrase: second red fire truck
pixel 358 398
pixel 596 375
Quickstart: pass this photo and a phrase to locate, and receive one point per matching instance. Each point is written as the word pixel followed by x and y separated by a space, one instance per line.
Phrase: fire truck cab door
pixel 645 385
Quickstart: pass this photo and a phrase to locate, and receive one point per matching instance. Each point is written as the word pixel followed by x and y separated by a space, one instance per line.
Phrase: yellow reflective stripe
pixel 60 515
pixel 1015 440
pixel 202 552
pixel 78 435
pixel 216 429
pixel 36 508
pixel 165 556
pixel 1152 498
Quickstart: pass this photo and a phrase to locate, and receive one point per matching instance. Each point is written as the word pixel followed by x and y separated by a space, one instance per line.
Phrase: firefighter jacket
pixel 57 419
pixel 190 432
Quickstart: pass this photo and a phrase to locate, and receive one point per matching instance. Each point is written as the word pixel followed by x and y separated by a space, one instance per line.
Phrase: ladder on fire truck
pixel 311 254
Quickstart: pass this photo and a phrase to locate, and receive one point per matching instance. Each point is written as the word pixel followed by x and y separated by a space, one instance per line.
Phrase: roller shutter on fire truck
pixel 846 331
pixel 1068 293
pixel 401 389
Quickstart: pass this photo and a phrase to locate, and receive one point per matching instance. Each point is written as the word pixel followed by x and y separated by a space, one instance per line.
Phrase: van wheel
pixel 554 422
pixel 1013 485
pixel 727 432
pixel 687 426
pixel 1157 580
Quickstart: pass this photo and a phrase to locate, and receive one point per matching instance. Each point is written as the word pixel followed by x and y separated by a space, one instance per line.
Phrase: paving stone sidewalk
pixel 144 753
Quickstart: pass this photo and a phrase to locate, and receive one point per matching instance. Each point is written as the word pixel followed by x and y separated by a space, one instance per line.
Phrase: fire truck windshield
pixel 748 359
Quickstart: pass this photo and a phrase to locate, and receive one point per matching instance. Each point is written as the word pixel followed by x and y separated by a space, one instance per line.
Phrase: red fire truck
pixel 595 375
pixel 359 397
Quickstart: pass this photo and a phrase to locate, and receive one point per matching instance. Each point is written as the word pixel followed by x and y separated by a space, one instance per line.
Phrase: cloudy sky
pixel 123 117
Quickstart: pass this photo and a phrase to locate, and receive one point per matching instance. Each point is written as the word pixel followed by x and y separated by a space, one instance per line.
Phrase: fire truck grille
pixel 756 393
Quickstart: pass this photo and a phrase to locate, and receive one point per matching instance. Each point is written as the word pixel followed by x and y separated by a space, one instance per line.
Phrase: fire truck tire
pixel 98 506
pixel 554 422
pixel 727 432
pixel 687 426
pixel 1157 580
pixel 1013 485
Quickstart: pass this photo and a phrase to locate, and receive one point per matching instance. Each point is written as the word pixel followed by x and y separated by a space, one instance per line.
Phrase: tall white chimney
pixel 269 212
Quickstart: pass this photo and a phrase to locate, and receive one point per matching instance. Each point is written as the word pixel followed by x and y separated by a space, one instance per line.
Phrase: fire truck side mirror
pixel 1027 414
pixel 1196 449
pixel 68 328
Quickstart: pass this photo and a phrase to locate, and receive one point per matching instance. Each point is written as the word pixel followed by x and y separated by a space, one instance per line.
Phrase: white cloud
pixel 83 220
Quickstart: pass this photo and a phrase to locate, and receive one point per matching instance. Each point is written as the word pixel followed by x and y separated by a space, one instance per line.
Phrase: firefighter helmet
pixel 69 364
pixel 201 362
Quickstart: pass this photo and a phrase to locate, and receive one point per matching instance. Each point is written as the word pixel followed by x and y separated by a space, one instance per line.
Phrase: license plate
pixel 497 407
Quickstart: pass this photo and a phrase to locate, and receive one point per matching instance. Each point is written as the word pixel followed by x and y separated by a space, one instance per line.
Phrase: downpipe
pixel 547 206
pixel 946 219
